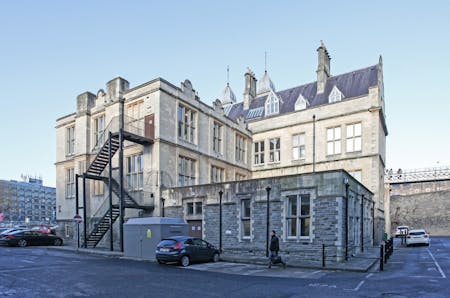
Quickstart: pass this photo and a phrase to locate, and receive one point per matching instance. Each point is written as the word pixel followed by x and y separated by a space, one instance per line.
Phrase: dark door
pixel 195 228
pixel 150 126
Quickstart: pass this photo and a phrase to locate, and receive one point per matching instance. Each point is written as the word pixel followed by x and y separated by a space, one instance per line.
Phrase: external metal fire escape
pixel 111 141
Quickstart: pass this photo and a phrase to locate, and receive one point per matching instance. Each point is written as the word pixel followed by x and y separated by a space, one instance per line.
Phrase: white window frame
pixel 354 137
pixel 274 150
pixel 135 172
pixel 258 156
pixel 272 104
pixel 70 140
pixel 335 95
pixel 298 217
pixel 298 147
pixel 334 140
pixel 186 123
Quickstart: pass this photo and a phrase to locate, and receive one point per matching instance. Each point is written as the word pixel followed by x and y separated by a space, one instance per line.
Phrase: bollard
pixel 381 257
pixel 323 255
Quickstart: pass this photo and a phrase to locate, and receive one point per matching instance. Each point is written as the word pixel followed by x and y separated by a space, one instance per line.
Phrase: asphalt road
pixel 41 272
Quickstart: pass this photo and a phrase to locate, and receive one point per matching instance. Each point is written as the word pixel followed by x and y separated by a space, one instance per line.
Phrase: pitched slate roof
pixel 351 84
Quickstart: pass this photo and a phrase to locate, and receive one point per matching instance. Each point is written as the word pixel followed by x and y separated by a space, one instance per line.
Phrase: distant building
pixel 27 202
pixel 157 137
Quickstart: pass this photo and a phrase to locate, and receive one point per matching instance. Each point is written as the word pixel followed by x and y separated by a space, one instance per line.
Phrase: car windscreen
pixel 417 233
pixel 167 242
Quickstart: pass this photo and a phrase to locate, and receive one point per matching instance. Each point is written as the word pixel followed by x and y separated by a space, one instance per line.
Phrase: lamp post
pixel 162 202
pixel 267 221
pixel 220 220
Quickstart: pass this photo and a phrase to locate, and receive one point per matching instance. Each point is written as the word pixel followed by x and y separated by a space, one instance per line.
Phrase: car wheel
pixel 22 243
pixel 216 257
pixel 185 261
pixel 57 242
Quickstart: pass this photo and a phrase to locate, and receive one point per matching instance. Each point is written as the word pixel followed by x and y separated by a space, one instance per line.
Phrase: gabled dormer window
pixel 272 104
pixel 335 95
pixel 301 103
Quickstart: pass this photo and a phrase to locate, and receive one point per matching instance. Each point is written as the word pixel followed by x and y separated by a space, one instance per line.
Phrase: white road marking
pixel 437 265
pixel 360 283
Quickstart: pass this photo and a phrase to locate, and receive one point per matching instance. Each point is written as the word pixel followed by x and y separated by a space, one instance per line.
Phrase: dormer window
pixel 272 104
pixel 301 103
pixel 335 95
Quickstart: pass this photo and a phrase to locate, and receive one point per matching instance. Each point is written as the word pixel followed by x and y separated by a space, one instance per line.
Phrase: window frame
pixel 217 137
pixel 299 147
pixel 274 150
pixel 98 131
pixel 354 137
pixel 187 118
pixel 258 155
pixel 217 174
pixel 70 140
pixel 246 220
pixel 240 148
pixel 298 216
pixel 186 171
pixel 334 141
pixel 70 183
pixel 134 172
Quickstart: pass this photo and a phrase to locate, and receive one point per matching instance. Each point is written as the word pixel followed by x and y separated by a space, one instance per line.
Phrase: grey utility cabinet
pixel 142 235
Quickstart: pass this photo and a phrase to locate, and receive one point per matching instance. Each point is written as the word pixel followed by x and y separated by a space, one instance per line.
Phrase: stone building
pixel 27 202
pixel 308 211
pixel 171 139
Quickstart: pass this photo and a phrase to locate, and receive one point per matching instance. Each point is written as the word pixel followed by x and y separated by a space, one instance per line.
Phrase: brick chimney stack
pixel 250 88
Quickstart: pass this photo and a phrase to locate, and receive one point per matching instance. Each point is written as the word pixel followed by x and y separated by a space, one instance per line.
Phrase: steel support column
pixel 84 212
pixel 346 219
pixel 121 202
pixel 111 239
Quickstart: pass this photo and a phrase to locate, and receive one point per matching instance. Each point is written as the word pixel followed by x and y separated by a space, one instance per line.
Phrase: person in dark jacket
pixel 274 249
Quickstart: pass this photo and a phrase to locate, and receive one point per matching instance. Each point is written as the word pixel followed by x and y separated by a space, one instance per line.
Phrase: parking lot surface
pixel 41 272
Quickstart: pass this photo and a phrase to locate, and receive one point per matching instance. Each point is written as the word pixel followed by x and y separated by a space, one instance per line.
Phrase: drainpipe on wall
pixel 314 143
pixel 346 218
pixel 220 220
pixel 77 209
pixel 267 221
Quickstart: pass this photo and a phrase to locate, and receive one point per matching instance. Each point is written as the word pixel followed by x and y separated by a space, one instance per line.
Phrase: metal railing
pixel 424 174
pixel 134 126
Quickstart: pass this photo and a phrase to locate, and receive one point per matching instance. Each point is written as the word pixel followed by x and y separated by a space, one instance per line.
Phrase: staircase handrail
pixel 96 217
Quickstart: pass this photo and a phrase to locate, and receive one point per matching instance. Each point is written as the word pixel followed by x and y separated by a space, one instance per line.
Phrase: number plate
pixel 164 249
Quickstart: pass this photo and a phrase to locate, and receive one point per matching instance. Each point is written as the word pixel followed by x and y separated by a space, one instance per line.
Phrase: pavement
pixel 363 262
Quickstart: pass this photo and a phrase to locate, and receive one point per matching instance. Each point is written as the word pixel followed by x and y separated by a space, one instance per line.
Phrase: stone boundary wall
pixel 421 205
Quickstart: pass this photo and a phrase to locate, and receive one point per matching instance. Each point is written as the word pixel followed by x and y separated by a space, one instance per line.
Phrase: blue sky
pixel 51 51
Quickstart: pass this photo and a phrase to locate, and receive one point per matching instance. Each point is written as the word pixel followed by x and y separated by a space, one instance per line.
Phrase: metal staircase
pixel 107 145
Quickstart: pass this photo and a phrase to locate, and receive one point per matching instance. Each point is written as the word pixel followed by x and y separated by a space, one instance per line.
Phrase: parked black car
pixel 186 250
pixel 24 238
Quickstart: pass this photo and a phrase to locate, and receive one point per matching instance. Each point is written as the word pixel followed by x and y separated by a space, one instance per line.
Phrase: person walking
pixel 274 249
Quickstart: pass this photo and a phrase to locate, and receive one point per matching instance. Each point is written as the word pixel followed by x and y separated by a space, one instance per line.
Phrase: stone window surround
pixel 239 206
pixel 301 136
pixel 240 148
pixel 354 137
pixel 70 183
pixel 334 140
pixel 217 174
pixel 194 201
pixel 217 137
pixel 186 131
pixel 98 128
pixel 312 196
pixel 259 153
pixel 70 140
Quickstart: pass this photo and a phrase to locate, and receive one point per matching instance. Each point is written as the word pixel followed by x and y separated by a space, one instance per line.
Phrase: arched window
pixel 335 95
pixel 272 105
